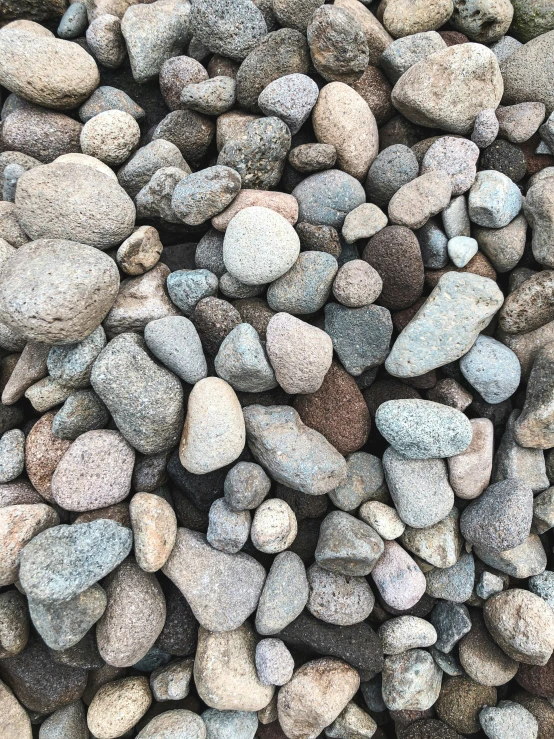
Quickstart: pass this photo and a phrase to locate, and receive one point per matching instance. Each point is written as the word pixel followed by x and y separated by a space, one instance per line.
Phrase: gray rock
pixel 71 364
pixel 233 288
pixel 14 623
pixel 434 245
pixel 325 198
pixel 453 583
pixel 82 411
pixel 526 74
pixel 174 723
pixel 452 623
pixel 429 478
pixel 105 41
pixel 222 589
pixel 440 545
pixel 144 399
pixel 154 200
pixel 508 720
pixel 446 326
pixel 483 21
pixel 312 157
pixel 294 454
pixel 246 485
pixel 514 461
pixel 394 167
pixel 347 546
pixel 503 246
pixel 543 586
pixel 533 427
pixel 492 369
pixel 109 98
pixel 490 584
pixel 364 481
pixel 494 200
pixel 62 625
pixel 227 529
pixel 538 211
pixel 519 122
pixel 172 682
pixel 62 562
pixel 242 361
pixel 191 132
pixel 204 194
pixel 505 47
pixel 485 128
pixel 274 662
pixel 228 28
pixel 304 289
pixel 421 429
pixel 284 595
pixel 411 681
pixel 12 455
pixel 403 53
pixel 259 156
pixel 209 253
pixel 211 97
pixel 138 171
pixel 70 721
pixel 406 632
pixel 290 98
pixel 360 336
pixel 230 724
pixel 175 342
pixel 154 33
pixel 338 46
pixel 12 173
pixel 186 287
pixel 337 598
pixel 73 22
pixel 400 581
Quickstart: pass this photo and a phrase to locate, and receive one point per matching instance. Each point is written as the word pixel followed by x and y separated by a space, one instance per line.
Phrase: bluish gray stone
pixel 421 429
pixel 12 455
pixel 284 595
pixel 419 488
pixel 243 363
pixel 543 586
pixel 492 369
pixel 109 98
pixel 394 167
pixel 82 411
pixel 403 53
pixel 434 245
pixel 525 464
pixel 274 662
pixel 71 364
pixel 505 47
pixel 230 724
pixel 446 326
pixel 246 485
pixel 175 342
pixel 294 454
pixel 452 583
pixel 494 200
pixel 186 287
pixel 455 218
pixel 452 622
pixel 228 530
pixel 73 22
pixel 361 336
pixel 306 286
pixel 12 173
pixel 228 27
pixel 448 663
pixel 326 198
pixel 461 249
pixel 154 658
pixel 365 481
pixel 63 561
pixel 508 720
pixel 69 722
pixel 290 98
pixel 209 253
pixel 237 290
pixel 205 193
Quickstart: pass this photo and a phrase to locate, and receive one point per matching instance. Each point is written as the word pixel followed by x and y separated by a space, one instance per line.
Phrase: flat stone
pixel 405 633
pixel 470 472
pixel 284 595
pixel 399 580
pixel 312 157
pixel 411 681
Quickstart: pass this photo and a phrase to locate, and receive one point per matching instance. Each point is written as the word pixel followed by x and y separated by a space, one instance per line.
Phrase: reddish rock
pixel 376 90
pixel 479 265
pixel 387 389
pixel 451 38
pixel 535 162
pixel 401 318
pixel 43 451
pixel 537 680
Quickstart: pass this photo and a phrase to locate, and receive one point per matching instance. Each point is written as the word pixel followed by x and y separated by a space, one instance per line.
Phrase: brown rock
pixel 154 530
pixel 118 706
pixel 535 162
pixel 538 680
pixel 470 471
pixel 479 265
pixel 14 623
pixel 140 251
pixel 43 451
pixel 451 38
pixel 175 73
pixel 461 701
pixel 337 410
pixel 387 389
pixel 338 46
pixel 17 492
pixel 449 392
pixel 40 133
pixel 18 525
pixel 417 201
pixel 401 318
pixel 529 306
pixel 280 202
pixel 256 312
pixel 482 659
pixel 319 238
pixel 376 90
pixel 541 710
pixel 376 36
pixel 394 252
pixel 214 320
pixel 118 513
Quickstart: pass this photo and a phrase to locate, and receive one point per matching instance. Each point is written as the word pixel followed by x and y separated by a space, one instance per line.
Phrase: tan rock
pixel 482 659
pixel 416 201
pixel 154 530
pixel 15 721
pixel 377 37
pixel 280 202
pixel 405 17
pixel 43 451
pixel 526 346
pixel 140 251
pixel 30 367
pixel 470 471
pixel 47 393
pixel 118 706
pixel 18 525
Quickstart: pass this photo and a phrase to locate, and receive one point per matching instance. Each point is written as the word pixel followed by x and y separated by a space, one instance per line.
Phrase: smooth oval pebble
pixel 118 706
pixel 154 529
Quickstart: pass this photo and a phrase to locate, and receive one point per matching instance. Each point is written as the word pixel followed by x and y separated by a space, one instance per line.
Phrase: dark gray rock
pixel 138 171
pixel 109 98
pixel 394 167
pixel 231 28
pixel 452 622
pixel 284 595
pixel 347 546
pixel 453 583
pixel 82 411
pixel 306 286
pixel 191 132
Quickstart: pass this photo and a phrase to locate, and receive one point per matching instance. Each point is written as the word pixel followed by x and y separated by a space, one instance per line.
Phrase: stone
pixel 485 128
pixel 118 706
pixel 455 218
pixel 364 481
pixel 153 34
pixel 440 545
pixel 274 526
pixel 82 411
pixel 352 722
pixel 19 524
pixel 167 338
pixel 177 73
pixel 521 624
pixel 428 729
pixel 172 681
pixel 144 399
pixel 46 394
pixel 456 156
pixel 451 621
pixel 227 724
pixel 506 158
pixel 316 695
pixel 12 455
pixel 242 361
pixel 494 200
pixel 43 451
pixel 338 46
pixel 503 246
pixel 290 98
pixel 411 681
pixel 528 307
pixel 225 671
pixel 363 223
pixel 337 598
pixel 488 585
pixel 525 74
pixel 519 122
pixel 294 454
pixel 482 659
pixel 492 369
pixel 404 633
pixel 280 202
pixel 71 364
pixel 434 497
pixel 347 546
pixel 394 167
pixel 398 578
pixel 342 118
pixel 525 560
pixel 360 336
pixel 204 194
pixel 10 229
pixel 155 198
pixel 236 581
pixel 382 518
pixel 67 721
pixel 186 287
pixel 173 723
pixel 325 198
pixel 62 562
pixel 538 211
pixel 99 212
pixel 228 529
pixel 461 249
pixel 483 21
pixel 274 662
pixel 145 163
pixel 305 288
pixel 461 701
pixel 469 472
pixel 229 29
pixel 433 244
pixel 214 319
pixel 500 722
pixel 140 252
pixel 154 530
pixel 453 583
pixel 435 336
pixel 402 18
pixel 284 595
pixel 416 201
pixel 14 623
pixel 246 485
pixel 211 97
pixel 44 70
pixel 312 157
pixel 63 625
pixel 403 53
pixel 532 428
pixel 357 284
pixel 376 36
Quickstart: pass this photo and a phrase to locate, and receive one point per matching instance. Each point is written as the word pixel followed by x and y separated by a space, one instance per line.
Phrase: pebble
pixel 338 46
pixel 399 580
pixel 82 411
pixel 337 598
pixel 172 682
pixel 351 722
pixel 246 486
pixel 364 481
pixel 305 288
pixel 309 158
pixel 393 168
pixel 229 29
pixel 167 338
pixel 204 194
pixel 146 161
pixel 411 681
pixel 274 526
pixel 532 427
pixel 528 307
pixel 494 200
pixel 456 156
pixel 525 75
pixel 402 634
pixel 488 585
pixel 401 18
pixel 483 21
pixel 187 287
pixel 360 336
pixel 518 123
pixel 469 472
pixel 67 721
pixel 503 246
pixel 492 369
pixel 284 595
pixel 347 546
pixel 274 662
pixel 461 249
pixel 446 327
pixel 280 202
pixel 451 621
pixel 382 518
pixel 154 530
pixel 482 659
pixel 538 215
pixel 500 722
pixel 403 53
pixel 211 97
pixel 440 544
pixel 64 561
pixel 395 254
pixel 173 723
pixel 242 361
pixel 416 201
pixel 14 623
pixel 20 524
pixel 73 22
pixel 236 581
pixel 12 455
pixel 291 98
pixel 325 198
pixel 433 244
pixel 461 701
pixel 485 128
pixel 357 284
pixel 118 706
pixel 229 724
pixel 214 319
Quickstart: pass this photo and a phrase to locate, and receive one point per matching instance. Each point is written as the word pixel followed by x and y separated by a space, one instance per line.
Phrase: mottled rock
pixel 470 471
pixel 19 524
pixel 482 659
pixel 118 706
pixel 403 18
pixel 411 681
pixel 461 701
pixel 154 530
pixel 143 165
pixel 360 336
pixel 439 545
pixel 416 201
pixel 526 75
pixel 284 595
pixel 325 198
pixel 398 578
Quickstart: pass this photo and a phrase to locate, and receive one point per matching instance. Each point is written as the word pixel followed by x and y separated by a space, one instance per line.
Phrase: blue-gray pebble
pixel 230 724
pixel 74 21
pixel 326 198
pixel 186 287
pixel 394 166
pixel 492 368
pixel 306 286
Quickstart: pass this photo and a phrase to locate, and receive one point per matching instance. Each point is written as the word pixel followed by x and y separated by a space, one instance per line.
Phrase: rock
pixel 144 399
pixel 109 98
pixel 363 223
pixel 280 202
pixel 259 155
pixel 225 671
pixel 521 623
pixel 482 20
pixel 82 411
pixel 236 581
pixel 405 633
pixel 532 428
pixel 434 337
pixel 435 496
pixel 274 526
pixel 352 721
pixel 214 319
pixel 99 212
pixel 294 454
pixel 46 394
pixel 242 361
pixel 110 136
pixel 525 560
pixel 492 369
pixel 485 128
pixel 401 18
pixel 202 195
pixel 316 695
pixel 325 198
pixel 246 486
pixel 274 663
pixel 63 562
pixel 154 529
pixel 19 524
pixel 229 29
pixel 469 472
pixel 45 70
pixel 166 338
pixel 337 598
pixel 500 722
pixel 418 200
pixel 528 307
pixel 312 157
pixel 338 46
pixel 365 481
pixel 488 585
pixel 186 287
pixel 420 429
pixel 290 98
pixel 399 580
pixel 449 392
pixel 213 435
pixel 482 659
pixel 145 163
pixel 173 723
pixel 14 623
pixel 453 583
pixel 382 518
pixel 451 621
pixel 342 118
pixel 357 284
pixel 455 218
pixel 411 681
pixel 439 545
pixel 43 451
pixel 360 336
pixel 394 167
pixel 40 133
pixel 177 73
pixel 526 75
pixel 228 529
pixel 63 625
pixel 503 246
pixel 461 701
pixel 153 34
pixel 305 288
pixel 538 211
pixel 12 455
pixel 456 156
pixel 319 238
pixel 67 721
pixel 118 706
pixel 347 546
pixel 284 594
pixel 396 255
pixel 73 22
pixel 506 158
pixel 211 97
pixel 461 249
pixel 518 123
pixel 473 77
pixel 71 364
pixel 172 681
pixel 405 52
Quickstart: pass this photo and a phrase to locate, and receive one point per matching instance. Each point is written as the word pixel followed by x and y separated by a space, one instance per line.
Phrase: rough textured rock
pixel 526 74
pixel 118 706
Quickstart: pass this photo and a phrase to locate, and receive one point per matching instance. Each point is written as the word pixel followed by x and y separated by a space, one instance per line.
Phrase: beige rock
pixel 140 251
pixel 363 222
pixel 154 530
pixel 86 161
pixel 43 451
pixel 418 200
pixel 527 73
pixel 383 518
pixel 448 89
pixel 214 433
pixel 177 723
pixel 353 723
pixel 405 17
pixel 440 545
pixel 482 659
pixel 47 393
pixel 225 671
pixel 172 682
pixel 526 346
pixel 470 471
pixel 274 526
pixel 110 136
pixel 342 118
pixel 45 70
pixel 376 36
pixel 315 696
pixel 18 525
pixel 282 203
pixel 10 229
pixel 118 706
pixel 30 367
pixel 15 720
pixel 232 126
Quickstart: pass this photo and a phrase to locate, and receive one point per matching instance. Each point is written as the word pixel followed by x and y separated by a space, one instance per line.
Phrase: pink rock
pixel 398 578
pixel 470 471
